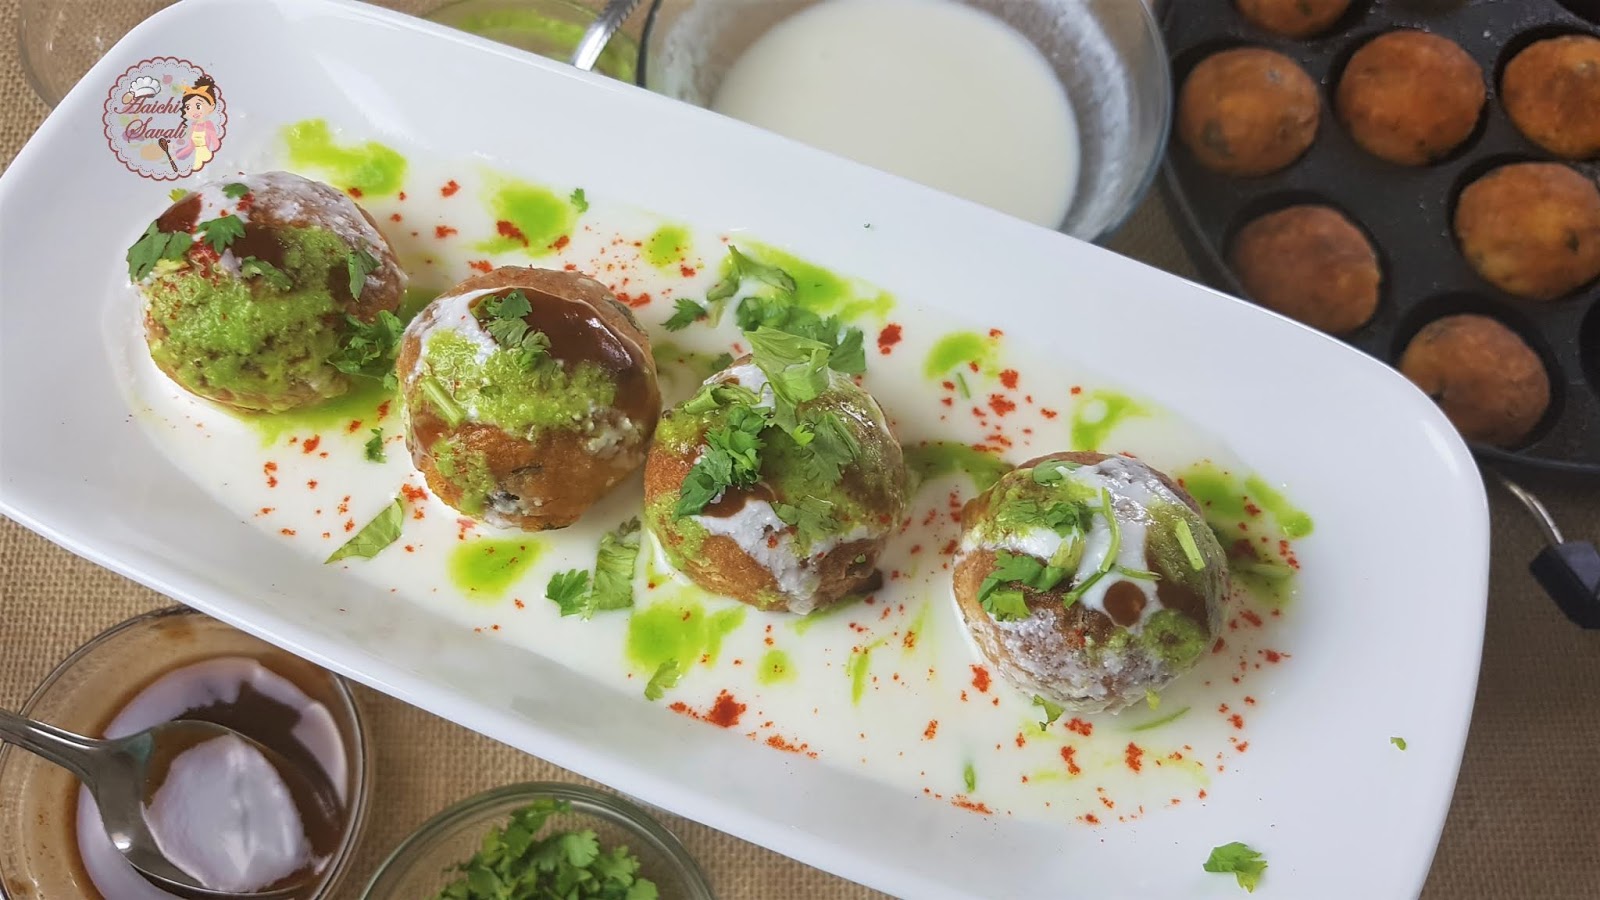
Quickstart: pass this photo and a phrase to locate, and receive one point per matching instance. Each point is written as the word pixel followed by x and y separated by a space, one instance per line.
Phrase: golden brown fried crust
pixel 1488 381
pixel 1248 111
pixel 557 468
pixel 1311 264
pixel 1531 229
pixel 722 567
pixel 1410 97
pixel 1551 91
pixel 1293 18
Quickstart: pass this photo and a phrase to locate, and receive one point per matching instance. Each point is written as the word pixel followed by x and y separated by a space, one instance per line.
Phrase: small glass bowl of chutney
pixel 168 664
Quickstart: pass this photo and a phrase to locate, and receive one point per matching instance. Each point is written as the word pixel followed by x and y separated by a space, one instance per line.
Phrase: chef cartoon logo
pixel 165 118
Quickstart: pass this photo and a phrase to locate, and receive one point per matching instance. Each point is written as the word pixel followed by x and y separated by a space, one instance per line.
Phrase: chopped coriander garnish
pixel 614 564
pixel 1053 471
pixel 383 530
pixel 687 313
pixel 770 275
pixel 730 459
pixel 796 367
pixel 1007 604
pixel 722 361
pixel 1398 742
pixel 1269 570
pixel 578 200
pixel 375 447
pixel 664 679
pixel 1245 864
pixel 255 267
pixel 359 264
pixel 961 386
pixel 444 404
pixel 235 190
pixel 154 246
pixel 371 347
pixel 812 518
pixel 1190 548
pixel 177 194
pixel 1136 574
pixel 568 590
pixel 1110 512
pixel 515 861
pixel 1052 711
pixel 1152 699
pixel 221 231
pixel 504 319
pixel 849 356
pixel 969 776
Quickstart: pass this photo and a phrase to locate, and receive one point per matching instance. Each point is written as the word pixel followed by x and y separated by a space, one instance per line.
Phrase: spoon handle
pixel 73 752
pixel 599 33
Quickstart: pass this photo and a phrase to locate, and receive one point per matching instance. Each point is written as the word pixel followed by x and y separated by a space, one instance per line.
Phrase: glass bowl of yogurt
pixel 174 663
pixel 1053 111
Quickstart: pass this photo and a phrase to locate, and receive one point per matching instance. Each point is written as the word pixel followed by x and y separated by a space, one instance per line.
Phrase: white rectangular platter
pixel 1382 640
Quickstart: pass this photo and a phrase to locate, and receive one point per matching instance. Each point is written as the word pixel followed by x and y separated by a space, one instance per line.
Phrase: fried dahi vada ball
pixel 1089 580
pixel 254 287
pixel 1490 384
pixel 744 509
pixel 1551 91
pixel 1311 264
pixel 1248 111
pixel 1293 18
pixel 528 395
pixel 1410 97
pixel 1531 229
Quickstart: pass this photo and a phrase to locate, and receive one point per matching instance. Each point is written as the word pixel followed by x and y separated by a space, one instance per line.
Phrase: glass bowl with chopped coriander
pixel 536 840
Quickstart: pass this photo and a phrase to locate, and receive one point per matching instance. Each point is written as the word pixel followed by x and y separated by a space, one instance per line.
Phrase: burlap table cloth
pixel 1525 821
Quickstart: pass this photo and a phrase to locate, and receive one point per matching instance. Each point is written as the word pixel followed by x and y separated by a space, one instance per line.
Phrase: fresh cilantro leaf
pixel 1245 864
pixel 383 530
pixel 613 568
pixel 177 195
pixel 578 200
pixel 1052 711
pixel 511 305
pixel 722 361
pixel 969 776
pixel 221 231
pixel 370 348
pixel 664 679
pixel 829 444
pixel 360 264
pixel 520 861
pixel 375 447
pixel 154 246
pixel 643 889
pixel 580 847
pixel 796 367
pixel 442 402
pixel 849 357
pixel 1398 742
pixel 730 458
pixel 1053 471
pixel 687 313
pixel 812 518
pixel 569 590
pixel 1006 604
pixel 235 190
pixel 255 267
pixel 504 320
pixel 769 275
pixel 713 396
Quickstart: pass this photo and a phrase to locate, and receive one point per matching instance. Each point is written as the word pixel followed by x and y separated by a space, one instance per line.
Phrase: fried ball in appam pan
pixel 1293 18
pixel 1490 384
pixel 1551 91
pixel 1310 263
pixel 1531 229
pixel 1248 111
pixel 1410 97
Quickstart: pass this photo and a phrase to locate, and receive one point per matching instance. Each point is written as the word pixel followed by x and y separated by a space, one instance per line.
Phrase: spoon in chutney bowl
pixel 199 810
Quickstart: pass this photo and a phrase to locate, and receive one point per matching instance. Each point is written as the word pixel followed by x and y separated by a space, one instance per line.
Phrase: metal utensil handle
pixel 72 752
pixel 1569 571
pixel 599 32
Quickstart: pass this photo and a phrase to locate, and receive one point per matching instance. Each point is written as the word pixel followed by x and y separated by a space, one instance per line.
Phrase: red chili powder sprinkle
pixel 354 192
pixel 349 525
pixel 973 366
pixel 395 217
pixel 353 427
pixel 634 300
pixel 1000 404
pixel 267 510
pixel 1048 413
pixel 1134 757
pixel 948 401
pixel 449 189
pixel 980 679
pixel 1251 509
pixel 326 535
pixel 1217 647
pixel 481 265
pixel 286 532
pixel 1079 726
pixel 725 712
pixel 311 444
pixel 1236 720
pixel 383 409
pixel 509 229
pixel 1272 655
pixel 1067 754
pixel 1251 617
pixel 1021 740
pixel 402 195
pixel 1009 379
pixel 246 202
pixel 560 243
pixel 312 484
pixel 686 271
pixel 1076 390
pixel 888 337
pixel 412 493
pixel 971 806
pixel 1090 818
pixel 1250 700
pixel 778 743
pixel 443 231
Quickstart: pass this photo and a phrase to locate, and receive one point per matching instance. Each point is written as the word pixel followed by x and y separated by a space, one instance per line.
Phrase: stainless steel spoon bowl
pixel 122 775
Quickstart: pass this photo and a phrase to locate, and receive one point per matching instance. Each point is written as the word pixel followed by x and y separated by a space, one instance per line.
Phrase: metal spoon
pixel 121 774
pixel 599 32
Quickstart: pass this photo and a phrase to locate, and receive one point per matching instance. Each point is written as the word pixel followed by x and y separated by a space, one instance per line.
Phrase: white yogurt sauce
pixel 931 90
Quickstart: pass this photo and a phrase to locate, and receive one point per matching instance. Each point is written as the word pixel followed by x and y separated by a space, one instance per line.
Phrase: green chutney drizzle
pixel 679 630
pixel 528 218
pixel 820 290
pixel 775 668
pixel 668 246
pixel 935 459
pixel 1090 433
pixel 485 568
pixel 368 169
pixel 957 349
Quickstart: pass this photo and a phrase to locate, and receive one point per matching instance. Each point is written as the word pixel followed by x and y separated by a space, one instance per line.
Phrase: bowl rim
pixel 584 799
pixel 337 868
pixel 1162 99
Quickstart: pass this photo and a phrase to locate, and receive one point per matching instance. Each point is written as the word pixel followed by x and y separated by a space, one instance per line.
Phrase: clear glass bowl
pixel 1108 54
pixel 550 28
pixel 424 862
pixel 61 39
pixel 38 801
